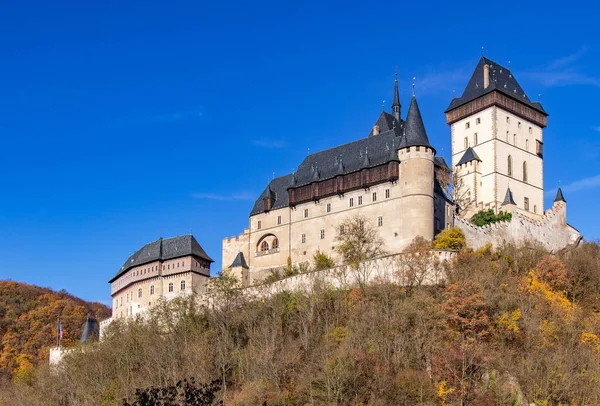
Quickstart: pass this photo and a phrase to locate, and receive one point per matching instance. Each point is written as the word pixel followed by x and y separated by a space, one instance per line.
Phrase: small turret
pixel 559 196
pixel 239 269
pixel 396 105
pixel 509 204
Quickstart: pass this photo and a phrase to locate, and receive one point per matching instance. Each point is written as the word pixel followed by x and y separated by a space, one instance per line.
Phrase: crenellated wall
pixel 233 245
pixel 551 231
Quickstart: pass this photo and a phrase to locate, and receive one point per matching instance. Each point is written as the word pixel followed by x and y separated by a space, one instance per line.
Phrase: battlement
pixel 550 231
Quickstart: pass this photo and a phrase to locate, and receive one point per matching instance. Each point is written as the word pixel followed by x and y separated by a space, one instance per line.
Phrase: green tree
pixel 322 261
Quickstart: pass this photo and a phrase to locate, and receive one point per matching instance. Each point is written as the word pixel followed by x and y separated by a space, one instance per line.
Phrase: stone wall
pixel 551 231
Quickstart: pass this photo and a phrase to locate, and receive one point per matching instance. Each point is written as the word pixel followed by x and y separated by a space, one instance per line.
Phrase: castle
pixel 394 179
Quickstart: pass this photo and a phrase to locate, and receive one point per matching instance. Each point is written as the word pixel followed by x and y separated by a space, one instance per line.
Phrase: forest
pixel 510 326
pixel 29 322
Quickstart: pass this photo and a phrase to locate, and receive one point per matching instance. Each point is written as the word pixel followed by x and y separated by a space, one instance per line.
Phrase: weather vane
pixel 383 105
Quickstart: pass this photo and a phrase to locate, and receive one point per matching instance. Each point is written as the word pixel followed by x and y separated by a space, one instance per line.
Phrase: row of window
pixel 264 246
pixel 514 141
pixel 152 269
pixel 171 289
pixel 510 168
pixel 328 207
pixel 478 121
pixel 341 230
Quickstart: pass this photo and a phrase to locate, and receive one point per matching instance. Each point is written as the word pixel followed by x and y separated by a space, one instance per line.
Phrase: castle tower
pixel 416 176
pixel 495 121
pixel 239 269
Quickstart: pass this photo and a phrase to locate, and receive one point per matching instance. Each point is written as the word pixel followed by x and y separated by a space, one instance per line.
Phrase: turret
pixel 559 201
pixel 239 270
pixel 509 204
pixel 396 105
pixel 416 177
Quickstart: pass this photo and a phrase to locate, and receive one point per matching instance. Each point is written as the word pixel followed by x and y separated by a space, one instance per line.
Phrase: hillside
pixel 28 323
pixel 511 326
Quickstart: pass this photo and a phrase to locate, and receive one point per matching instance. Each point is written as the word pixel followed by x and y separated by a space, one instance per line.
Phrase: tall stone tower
pixel 497 143
pixel 416 176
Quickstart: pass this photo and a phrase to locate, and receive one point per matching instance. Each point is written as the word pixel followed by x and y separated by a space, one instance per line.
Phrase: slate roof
pixel 559 196
pixel 508 199
pixel 439 161
pixel 364 153
pixel 501 79
pixel 468 156
pixel 387 122
pixel 162 250
pixel 239 261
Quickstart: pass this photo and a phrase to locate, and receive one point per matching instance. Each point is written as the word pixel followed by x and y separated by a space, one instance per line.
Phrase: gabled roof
pixel 162 250
pixel 278 190
pixel 508 199
pixel 387 122
pixel 468 156
pixel 501 79
pixel 559 196
pixel 239 261
pixel 413 133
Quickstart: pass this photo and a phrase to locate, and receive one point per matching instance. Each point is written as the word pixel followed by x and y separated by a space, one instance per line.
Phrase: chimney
pixel 486 76
pixel 375 130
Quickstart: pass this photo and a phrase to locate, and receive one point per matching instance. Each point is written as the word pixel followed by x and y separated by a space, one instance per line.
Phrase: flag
pixel 60 331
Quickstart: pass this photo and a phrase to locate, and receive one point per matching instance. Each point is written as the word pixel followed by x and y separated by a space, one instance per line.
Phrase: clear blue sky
pixel 122 122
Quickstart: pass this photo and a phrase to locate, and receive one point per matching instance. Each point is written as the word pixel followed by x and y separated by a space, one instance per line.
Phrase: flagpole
pixel 58 334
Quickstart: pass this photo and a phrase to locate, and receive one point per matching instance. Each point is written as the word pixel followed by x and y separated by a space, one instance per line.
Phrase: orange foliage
pixel 28 324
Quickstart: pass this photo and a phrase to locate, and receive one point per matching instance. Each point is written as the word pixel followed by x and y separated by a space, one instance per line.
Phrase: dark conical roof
pixel 396 95
pixel 508 199
pixel 468 156
pixel 414 130
pixel 239 261
pixel 90 330
pixel 559 196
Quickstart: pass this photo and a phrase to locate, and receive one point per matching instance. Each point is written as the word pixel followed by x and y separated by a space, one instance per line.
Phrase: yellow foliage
pixel 443 390
pixel 336 335
pixel 549 329
pixel 509 321
pixel 450 239
pixel 485 250
pixel 535 286
pixel 591 340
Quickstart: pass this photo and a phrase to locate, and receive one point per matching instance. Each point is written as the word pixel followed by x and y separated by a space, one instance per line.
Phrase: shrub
pixel 450 239
pixel 483 217
pixel 322 261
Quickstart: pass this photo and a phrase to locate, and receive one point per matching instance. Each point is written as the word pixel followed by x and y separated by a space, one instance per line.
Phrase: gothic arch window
pixel 264 246
pixel 510 172
pixel 275 243
pixel 170 286
pixel 524 171
pixel 182 285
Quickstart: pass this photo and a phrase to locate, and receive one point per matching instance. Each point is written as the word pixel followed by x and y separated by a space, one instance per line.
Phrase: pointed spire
pixel 239 261
pixel 396 105
pixel 366 161
pixel 559 196
pixel 508 199
pixel 414 128
pixel 340 167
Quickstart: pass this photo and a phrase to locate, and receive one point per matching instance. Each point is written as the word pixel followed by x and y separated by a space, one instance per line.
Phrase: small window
pixel 387 193
pixel 527 203
pixel 477 120
pixel 305 213
pixel 530 130
pixel 259 224
pixel 507 136
pixel 514 139
pixel 539 148
pixel 264 246
pixel 466 142
pixel 303 238
pixel 379 221
pixel 182 285
pixel 510 172
pixel 527 145
pixel 342 230
pixel 169 266
pixel 519 124
pixel 417 148
pixel 374 196
pixel 328 207
pixel 322 234
pixel 359 200
pixel 140 292
pixel 475 139
pixel 178 265
pixel 351 202
pixel 467 125
pixel 278 219
pixel 524 171
pixel 275 243
pixel 507 120
pixel 535 208
pixel 170 286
